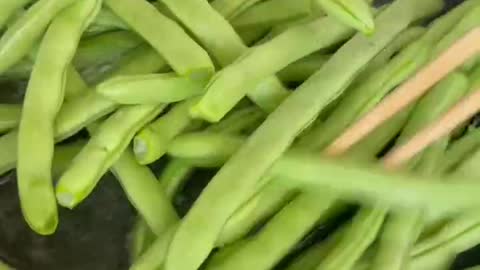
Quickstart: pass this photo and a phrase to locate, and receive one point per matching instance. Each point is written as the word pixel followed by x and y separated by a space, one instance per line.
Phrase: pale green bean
pixel 39 112
pixel 149 89
pixel 355 13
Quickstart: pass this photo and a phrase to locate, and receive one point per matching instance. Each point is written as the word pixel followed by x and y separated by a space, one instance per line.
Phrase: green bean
pixel 187 60
pixel 144 192
pixel 9 8
pixel 40 110
pixel 375 185
pixel 8 144
pixel 103 149
pixel 193 14
pixel 75 85
pixel 272 12
pixel 149 89
pixel 269 200
pixel 104 48
pixel 356 239
pixel 363 97
pixel 291 220
pixel 79 112
pixel 24 33
pixel 205 149
pixel 300 70
pixel 153 140
pixel 355 13
pixel 229 9
pixel 9 116
pixel 230 84
pixel 271 139
pixel 174 176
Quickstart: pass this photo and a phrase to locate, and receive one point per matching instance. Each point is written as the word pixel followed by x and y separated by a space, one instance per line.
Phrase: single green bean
pixel 39 113
pixel 373 184
pixel 205 149
pixel 271 139
pixel 251 35
pixel 144 192
pixel 9 116
pixel 229 9
pixel 300 70
pixel 103 150
pixel 149 89
pixel 9 8
pixel 187 60
pixel 272 12
pixel 230 84
pixel 25 32
pixel 355 13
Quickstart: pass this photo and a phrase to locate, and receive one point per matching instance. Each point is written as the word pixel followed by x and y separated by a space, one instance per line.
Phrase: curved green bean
pixel 271 139
pixel 24 33
pixel 9 116
pixel 103 149
pixel 39 113
pixel 149 89
pixel 187 60
pixel 355 13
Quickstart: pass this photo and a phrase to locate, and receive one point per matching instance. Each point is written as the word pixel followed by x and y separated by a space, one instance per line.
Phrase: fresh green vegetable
pixel 271 139
pixel 356 13
pixel 39 111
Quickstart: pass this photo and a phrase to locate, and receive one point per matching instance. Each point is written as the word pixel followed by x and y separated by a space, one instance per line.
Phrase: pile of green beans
pixel 253 91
